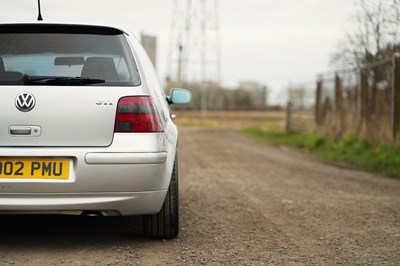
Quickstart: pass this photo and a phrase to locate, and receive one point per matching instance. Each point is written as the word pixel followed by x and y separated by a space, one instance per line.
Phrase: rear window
pixel 65 55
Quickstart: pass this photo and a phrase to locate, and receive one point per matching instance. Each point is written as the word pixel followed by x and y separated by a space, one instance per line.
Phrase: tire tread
pixel 165 224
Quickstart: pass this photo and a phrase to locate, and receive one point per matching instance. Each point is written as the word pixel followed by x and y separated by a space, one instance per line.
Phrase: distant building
pixel 259 93
pixel 150 45
pixel 249 85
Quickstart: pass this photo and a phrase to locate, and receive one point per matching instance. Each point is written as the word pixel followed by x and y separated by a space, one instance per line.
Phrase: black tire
pixel 165 224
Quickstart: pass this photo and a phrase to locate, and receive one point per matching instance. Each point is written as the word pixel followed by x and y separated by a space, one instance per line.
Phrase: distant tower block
pixel 150 45
pixel 194 57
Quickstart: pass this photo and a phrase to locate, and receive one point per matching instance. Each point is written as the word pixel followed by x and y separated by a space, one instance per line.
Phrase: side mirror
pixel 179 96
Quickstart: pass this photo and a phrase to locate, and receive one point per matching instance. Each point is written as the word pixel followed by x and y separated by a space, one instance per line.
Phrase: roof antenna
pixel 40 13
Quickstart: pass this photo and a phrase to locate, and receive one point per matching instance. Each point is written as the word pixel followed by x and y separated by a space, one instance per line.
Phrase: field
pixel 231 119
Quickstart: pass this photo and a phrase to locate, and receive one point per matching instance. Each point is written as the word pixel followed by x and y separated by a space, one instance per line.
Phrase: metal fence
pixel 300 115
pixel 364 102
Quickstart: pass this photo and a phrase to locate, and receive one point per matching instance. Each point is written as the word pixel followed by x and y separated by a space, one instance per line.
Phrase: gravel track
pixel 242 203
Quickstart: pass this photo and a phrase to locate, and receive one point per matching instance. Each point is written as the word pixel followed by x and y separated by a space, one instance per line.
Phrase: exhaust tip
pixel 92 213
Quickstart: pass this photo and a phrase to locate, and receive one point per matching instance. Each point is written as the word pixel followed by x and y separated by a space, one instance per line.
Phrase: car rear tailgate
pixel 63 116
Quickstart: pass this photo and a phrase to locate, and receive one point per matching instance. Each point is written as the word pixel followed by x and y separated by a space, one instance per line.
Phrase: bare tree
pixel 375 37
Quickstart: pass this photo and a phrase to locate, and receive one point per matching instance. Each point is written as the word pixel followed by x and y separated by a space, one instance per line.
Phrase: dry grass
pixel 229 119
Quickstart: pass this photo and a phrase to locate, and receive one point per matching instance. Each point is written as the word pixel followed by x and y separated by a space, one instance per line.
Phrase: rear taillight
pixel 137 114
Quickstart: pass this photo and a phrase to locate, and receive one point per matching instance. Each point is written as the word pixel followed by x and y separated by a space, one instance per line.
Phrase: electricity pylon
pixel 194 58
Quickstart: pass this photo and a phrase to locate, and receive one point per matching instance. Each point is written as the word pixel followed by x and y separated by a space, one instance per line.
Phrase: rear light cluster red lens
pixel 137 114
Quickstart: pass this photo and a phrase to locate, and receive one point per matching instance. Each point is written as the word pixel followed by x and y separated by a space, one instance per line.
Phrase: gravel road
pixel 242 203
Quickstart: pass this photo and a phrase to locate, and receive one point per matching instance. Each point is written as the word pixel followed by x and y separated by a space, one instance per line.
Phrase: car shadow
pixel 63 231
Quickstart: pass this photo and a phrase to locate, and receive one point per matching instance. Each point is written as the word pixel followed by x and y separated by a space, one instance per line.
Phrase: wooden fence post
pixel 318 112
pixel 362 101
pixel 396 98
pixel 338 94
pixel 339 119
pixel 289 118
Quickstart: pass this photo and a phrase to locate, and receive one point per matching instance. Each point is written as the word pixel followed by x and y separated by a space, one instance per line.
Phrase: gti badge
pixel 100 102
pixel 25 102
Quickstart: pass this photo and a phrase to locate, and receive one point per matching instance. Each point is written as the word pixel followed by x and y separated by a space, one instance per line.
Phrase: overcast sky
pixel 273 42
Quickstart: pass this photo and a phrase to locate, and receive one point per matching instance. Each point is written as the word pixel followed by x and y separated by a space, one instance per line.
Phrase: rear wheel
pixel 165 224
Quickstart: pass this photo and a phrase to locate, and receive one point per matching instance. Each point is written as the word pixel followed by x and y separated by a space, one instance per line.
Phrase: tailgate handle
pixel 33 131
pixel 20 131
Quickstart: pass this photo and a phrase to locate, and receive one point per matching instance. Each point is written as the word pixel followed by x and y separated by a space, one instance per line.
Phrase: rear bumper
pixel 125 158
pixel 112 204
pixel 130 177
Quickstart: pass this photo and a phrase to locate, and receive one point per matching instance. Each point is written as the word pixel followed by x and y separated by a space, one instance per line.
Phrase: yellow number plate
pixel 34 168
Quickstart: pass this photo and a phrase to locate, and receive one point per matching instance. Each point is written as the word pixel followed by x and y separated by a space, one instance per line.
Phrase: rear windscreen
pixel 35 51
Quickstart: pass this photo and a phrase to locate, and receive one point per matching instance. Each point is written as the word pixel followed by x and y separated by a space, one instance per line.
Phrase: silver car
pixel 85 127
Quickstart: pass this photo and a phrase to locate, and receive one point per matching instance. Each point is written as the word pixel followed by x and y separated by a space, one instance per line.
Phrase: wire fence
pixel 362 102
pixel 300 116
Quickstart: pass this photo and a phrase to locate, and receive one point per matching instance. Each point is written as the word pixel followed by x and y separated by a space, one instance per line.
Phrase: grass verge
pixel 381 158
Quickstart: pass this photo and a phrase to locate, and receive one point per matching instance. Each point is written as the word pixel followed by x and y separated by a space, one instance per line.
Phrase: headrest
pixel 100 68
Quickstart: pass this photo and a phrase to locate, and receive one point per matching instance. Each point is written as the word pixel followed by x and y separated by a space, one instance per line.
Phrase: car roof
pixel 41 23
